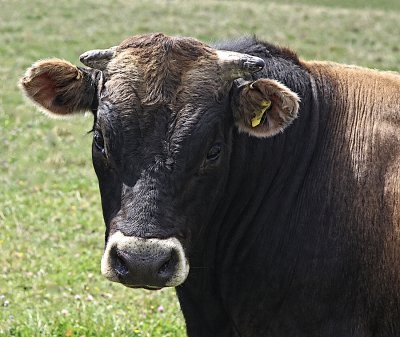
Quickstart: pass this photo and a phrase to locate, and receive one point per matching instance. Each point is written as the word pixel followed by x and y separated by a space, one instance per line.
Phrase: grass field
pixel 51 229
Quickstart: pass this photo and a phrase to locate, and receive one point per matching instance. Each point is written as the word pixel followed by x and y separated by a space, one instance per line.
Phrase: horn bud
pixel 235 65
pixel 98 58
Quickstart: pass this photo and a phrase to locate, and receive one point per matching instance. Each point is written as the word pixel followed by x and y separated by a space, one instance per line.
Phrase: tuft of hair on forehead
pixel 163 60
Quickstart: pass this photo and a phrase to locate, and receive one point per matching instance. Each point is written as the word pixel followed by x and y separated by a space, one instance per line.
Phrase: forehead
pixel 157 67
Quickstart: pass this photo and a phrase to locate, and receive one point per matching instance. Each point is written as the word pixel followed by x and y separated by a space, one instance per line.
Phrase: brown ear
pixel 264 108
pixel 59 87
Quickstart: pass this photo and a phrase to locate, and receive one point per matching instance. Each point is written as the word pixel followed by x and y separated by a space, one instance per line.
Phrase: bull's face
pixel 164 109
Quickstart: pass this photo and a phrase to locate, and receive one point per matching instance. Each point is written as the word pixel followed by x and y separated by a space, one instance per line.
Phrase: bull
pixel 264 187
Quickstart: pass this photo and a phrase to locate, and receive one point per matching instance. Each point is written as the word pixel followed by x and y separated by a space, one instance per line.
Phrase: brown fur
pixel 163 60
pixel 372 99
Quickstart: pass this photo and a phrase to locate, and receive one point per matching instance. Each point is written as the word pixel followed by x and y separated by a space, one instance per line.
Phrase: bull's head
pixel 164 112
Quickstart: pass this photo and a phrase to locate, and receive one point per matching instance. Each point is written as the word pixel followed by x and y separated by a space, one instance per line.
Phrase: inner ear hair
pixel 58 87
pixel 264 108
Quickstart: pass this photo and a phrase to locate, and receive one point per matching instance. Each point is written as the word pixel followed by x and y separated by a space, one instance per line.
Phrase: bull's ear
pixel 59 87
pixel 264 108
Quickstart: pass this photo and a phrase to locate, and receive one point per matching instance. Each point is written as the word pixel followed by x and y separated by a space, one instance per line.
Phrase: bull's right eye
pixel 99 142
pixel 214 152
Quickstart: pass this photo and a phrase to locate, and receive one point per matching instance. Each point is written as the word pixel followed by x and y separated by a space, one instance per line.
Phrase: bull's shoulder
pixel 358 89
pixel 366 95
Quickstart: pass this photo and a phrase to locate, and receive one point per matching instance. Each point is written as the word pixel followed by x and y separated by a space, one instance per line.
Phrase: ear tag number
pixel 258 115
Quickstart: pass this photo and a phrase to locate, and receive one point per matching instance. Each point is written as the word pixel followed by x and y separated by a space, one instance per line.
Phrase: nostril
pixel 168 266
pixel 164 268
pixel 118 263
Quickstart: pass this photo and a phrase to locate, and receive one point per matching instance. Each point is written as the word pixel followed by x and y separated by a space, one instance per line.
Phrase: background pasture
pixel 51 230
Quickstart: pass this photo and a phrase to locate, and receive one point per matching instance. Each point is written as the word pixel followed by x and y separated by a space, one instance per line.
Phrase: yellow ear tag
pixel 256 120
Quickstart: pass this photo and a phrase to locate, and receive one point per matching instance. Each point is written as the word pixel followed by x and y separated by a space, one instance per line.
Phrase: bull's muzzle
pixel 144 263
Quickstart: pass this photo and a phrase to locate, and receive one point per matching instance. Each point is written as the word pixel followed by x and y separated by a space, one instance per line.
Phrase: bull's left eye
pixel 99 141
pixel 214 152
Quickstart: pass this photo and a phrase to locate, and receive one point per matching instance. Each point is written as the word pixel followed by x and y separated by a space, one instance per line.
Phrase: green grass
pixel 51 229
pixel 388 5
